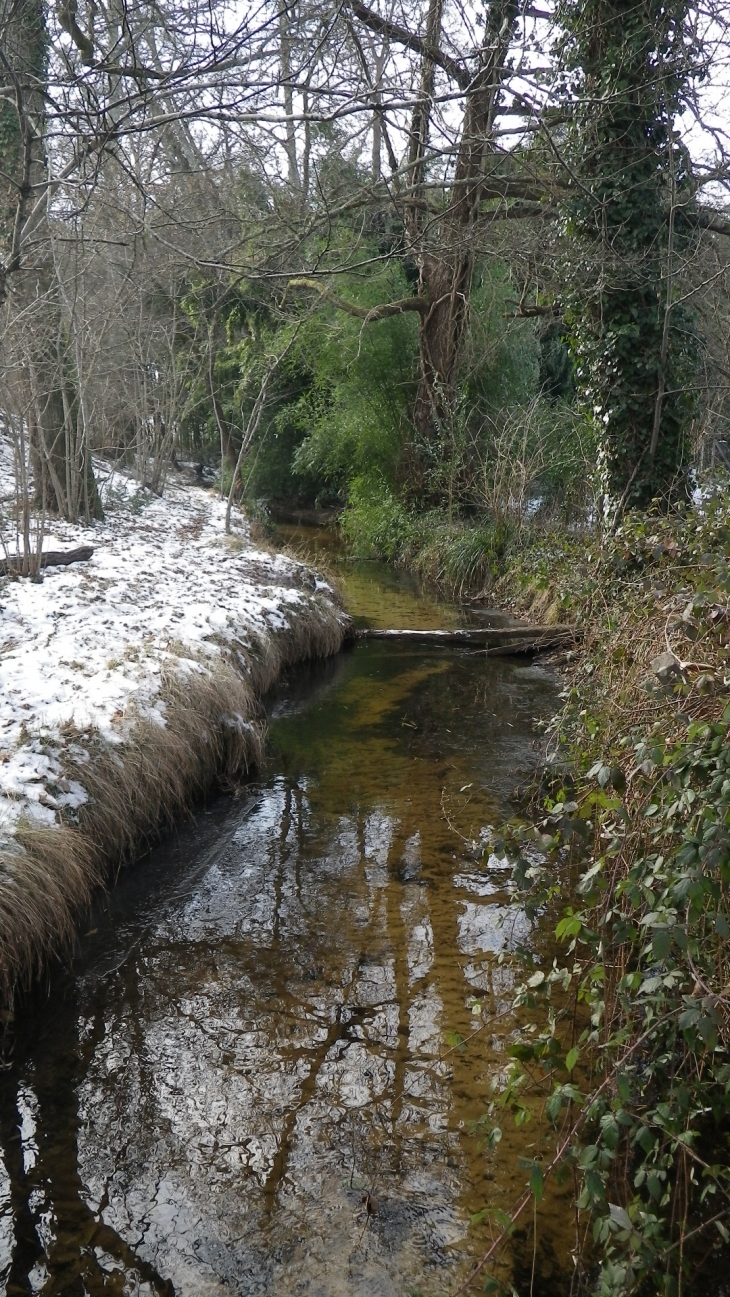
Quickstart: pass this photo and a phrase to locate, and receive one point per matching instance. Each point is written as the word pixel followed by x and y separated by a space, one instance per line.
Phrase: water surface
pixel 247 1080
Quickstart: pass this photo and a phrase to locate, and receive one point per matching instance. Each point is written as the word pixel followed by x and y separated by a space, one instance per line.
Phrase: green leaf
pixel 537 1182
pixel 661 943
pixel 623 1086
pixel 594 1186
pixel 708 1031
pixel 620 1216
pixel 569 926
pixel 571 1058
pixel 492 1285
pixel 455 1040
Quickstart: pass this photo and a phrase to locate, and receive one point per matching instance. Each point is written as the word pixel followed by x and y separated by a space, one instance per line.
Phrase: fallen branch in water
pixel 494 639
pixel 533 644
pixel 51 558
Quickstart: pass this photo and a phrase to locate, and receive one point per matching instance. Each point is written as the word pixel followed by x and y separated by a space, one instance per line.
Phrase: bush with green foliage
pixel 356 382
pixel 458 555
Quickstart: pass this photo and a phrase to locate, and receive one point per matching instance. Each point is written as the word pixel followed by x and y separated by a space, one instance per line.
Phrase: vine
pixel 627 74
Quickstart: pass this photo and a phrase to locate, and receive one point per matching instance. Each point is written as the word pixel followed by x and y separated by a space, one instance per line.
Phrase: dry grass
pixel 45 882
pixel 322 564
pixel 138 787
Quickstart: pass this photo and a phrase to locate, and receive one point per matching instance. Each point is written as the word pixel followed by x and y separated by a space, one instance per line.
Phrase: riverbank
pixel 129 684
pixel 624 1070
pixel 625 1065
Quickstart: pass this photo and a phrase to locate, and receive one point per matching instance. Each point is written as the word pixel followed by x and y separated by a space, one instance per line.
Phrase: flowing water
pixel 249 1080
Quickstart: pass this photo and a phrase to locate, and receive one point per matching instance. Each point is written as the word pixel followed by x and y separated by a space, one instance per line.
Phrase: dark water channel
pixel 244 1083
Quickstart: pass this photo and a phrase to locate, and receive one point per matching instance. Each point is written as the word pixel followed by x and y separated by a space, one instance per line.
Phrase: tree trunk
pixel 61 455
pixel 635 349
pixel 60 452
pixel 446 270
pixel 228 452
pixel 447 285
pixel 285 47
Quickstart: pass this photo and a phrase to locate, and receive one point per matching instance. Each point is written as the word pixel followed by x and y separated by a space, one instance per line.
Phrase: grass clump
pixel 47 876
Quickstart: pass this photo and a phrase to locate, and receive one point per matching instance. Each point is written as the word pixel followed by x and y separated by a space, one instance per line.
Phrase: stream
pixel 249 1081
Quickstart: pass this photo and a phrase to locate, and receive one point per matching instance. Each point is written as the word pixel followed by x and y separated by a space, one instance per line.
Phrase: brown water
pixel 246 1083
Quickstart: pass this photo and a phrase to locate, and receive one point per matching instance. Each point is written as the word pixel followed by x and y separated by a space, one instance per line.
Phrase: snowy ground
pixel 89 644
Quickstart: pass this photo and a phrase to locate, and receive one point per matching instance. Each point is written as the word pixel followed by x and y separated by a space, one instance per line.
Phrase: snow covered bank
pixel 127 685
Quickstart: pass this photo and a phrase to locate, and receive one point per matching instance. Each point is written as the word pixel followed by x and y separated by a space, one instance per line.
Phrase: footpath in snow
pixel 87 653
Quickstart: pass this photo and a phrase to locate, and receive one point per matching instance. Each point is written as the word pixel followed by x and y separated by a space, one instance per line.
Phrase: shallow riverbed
pixel 247 1081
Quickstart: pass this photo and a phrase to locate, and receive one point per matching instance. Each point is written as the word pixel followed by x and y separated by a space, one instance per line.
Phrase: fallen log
pixel 49 558
pixel 494 639
pixel 540 644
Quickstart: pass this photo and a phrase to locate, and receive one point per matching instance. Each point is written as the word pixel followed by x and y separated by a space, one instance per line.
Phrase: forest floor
pixel 144 663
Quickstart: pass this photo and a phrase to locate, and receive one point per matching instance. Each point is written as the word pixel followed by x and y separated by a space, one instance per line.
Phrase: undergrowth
pixel 460 556
pixel 623 1067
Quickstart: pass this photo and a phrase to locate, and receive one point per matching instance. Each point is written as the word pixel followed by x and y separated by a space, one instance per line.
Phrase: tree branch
pixel 402 36
pixel 66 14
pixel 714 221
pixel 383 311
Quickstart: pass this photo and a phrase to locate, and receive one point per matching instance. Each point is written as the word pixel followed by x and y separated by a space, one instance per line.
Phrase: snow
pixel 85 650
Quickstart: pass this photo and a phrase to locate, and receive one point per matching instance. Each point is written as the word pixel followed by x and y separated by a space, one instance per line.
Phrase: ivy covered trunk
pixel 628 215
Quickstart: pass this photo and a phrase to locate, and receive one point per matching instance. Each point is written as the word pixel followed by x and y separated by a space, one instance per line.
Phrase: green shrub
pixel 359 385
pixel 376 522
pixel 457 554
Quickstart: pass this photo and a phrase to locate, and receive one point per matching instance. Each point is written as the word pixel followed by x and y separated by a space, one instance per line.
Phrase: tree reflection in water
pixel 241 1085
